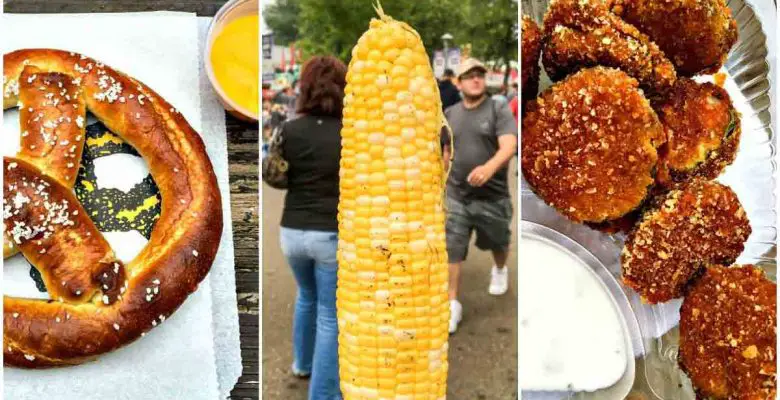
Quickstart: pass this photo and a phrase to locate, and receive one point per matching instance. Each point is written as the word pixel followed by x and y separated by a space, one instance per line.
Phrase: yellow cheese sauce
pixel 235 61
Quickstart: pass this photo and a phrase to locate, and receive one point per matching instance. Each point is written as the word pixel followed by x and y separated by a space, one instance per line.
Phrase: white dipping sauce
pixel 571 335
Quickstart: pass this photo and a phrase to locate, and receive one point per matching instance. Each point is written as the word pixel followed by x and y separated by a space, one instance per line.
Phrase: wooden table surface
pixel 243 158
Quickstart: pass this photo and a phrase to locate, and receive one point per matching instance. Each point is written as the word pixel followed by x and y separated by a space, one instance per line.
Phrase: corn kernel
pixel 392 290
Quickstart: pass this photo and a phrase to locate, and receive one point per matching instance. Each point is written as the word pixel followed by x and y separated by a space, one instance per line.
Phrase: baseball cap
pixel 469 64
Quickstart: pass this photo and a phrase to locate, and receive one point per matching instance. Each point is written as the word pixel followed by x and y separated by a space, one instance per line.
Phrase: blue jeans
pixel 312 257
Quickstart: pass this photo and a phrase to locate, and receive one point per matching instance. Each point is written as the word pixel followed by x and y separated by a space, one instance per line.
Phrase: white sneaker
pixel 499 280
pixel 456 315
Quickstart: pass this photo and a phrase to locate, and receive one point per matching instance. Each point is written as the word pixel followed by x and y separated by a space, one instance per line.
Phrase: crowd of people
pixel 308 115
pixel 279 105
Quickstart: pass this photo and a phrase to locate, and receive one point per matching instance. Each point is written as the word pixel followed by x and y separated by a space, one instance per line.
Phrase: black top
pixel 312 147
pixel 449 94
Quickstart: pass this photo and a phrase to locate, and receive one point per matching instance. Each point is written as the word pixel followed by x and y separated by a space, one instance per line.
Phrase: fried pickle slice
pixel 581 34
pixel 695 35
pixel 589 145
pixel 728 334
pixel 702 132
pixel 682 232
pixel 531 36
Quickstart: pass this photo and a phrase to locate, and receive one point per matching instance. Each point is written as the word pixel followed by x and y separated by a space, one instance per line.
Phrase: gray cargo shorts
pixel 491 220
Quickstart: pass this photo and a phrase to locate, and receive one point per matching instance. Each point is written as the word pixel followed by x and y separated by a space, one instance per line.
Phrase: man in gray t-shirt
pixel 478 199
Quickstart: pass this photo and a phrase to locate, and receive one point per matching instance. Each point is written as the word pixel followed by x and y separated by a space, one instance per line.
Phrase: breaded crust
pixel 728 334
pixel 581 34
pixel 695 35
pixel 529 61
pixel 702 130
pixel 624 223
pixel 684 230
pixel 589 145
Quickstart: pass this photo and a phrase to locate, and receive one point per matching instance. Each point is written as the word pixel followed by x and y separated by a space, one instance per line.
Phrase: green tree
pixel 334 26
pixel 494 31
pixel 282 18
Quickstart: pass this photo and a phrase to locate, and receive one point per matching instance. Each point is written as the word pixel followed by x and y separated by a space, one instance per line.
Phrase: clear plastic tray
pixel 751 176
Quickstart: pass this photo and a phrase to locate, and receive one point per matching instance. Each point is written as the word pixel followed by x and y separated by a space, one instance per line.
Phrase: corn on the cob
pixel 393 274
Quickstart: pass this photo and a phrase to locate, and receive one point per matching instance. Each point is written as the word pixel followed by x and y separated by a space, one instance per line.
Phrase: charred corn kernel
pixel 392 280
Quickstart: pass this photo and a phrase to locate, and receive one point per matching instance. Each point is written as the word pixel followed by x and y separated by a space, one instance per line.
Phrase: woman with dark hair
pixel 309 230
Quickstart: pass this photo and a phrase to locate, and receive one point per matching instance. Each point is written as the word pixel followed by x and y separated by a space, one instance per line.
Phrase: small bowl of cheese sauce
pixel 233 59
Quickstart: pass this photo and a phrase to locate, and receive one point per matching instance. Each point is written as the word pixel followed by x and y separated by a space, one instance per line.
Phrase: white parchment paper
pixel 223 276
pixel 195 354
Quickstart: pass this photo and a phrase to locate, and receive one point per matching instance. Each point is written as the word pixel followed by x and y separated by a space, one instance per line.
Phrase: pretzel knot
pixel 98 303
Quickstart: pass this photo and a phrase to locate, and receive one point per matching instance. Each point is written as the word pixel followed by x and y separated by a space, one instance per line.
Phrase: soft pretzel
pixel 98 303
pixel 46 150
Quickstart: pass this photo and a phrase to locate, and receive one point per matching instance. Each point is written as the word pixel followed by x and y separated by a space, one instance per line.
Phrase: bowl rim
pixel 626 315
pixel 224 10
